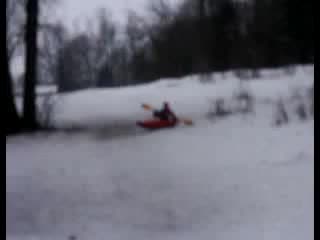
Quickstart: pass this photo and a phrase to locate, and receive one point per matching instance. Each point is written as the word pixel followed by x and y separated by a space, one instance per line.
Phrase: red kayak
pixel 156 124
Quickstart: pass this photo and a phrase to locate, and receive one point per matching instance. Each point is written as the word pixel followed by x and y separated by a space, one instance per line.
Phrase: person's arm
pixel 156 113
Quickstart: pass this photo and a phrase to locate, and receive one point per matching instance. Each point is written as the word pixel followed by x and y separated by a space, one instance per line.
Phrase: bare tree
pixel 101 46
pixel 29 104
pixel 15 18
pixel 53 37
pixel 105 37
pixel 162 11
pixel 15 21
pixel 74 66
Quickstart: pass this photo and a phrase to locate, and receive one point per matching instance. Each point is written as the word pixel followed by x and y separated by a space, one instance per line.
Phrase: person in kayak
pixel 166 114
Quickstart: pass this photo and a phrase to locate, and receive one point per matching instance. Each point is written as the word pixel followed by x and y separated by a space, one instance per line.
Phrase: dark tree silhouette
pixel 29 107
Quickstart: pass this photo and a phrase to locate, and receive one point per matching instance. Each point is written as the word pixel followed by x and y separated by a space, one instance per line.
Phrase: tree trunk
pixel 29 107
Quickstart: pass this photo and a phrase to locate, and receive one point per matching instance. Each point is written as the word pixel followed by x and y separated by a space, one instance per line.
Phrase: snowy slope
pixel 188 96
pixel 238 178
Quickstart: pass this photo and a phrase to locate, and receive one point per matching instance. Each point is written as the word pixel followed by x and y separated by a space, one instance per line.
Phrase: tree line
pixel 198 36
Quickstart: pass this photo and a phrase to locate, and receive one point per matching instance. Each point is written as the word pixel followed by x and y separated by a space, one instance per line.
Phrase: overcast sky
pixel 72 11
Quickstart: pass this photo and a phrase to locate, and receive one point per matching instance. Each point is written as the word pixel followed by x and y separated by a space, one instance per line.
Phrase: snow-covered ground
pixel 188 97
pixel 236 178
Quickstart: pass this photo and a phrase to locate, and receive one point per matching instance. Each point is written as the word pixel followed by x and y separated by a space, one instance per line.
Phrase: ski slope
pixel 235 178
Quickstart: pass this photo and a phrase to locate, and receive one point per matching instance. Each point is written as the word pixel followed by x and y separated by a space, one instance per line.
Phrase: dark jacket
pixel 165 114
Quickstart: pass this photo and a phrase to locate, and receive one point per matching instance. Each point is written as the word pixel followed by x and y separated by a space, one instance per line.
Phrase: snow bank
pixel 188 96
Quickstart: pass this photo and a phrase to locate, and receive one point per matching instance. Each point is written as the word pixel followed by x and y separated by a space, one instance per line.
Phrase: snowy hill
pixel 235 178
pixel 188 96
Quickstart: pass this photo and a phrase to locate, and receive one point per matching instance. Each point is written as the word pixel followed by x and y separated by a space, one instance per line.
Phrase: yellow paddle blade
pixel 147 106
pixel 187 121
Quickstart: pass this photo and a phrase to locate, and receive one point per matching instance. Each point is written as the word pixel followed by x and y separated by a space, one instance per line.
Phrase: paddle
pixel 150 108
